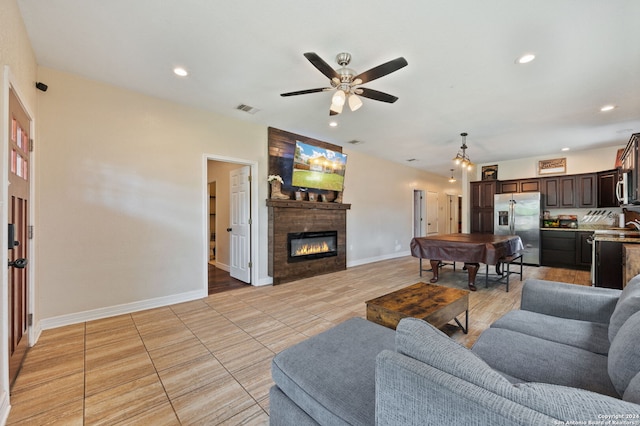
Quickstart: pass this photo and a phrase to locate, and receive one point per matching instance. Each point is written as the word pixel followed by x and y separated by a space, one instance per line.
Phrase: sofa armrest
pixel 595 304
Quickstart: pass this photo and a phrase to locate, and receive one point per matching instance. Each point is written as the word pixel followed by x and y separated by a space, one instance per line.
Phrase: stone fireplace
pixel 306 239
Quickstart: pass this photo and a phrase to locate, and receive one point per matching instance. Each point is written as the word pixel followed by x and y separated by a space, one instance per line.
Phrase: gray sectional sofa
pixel 569 355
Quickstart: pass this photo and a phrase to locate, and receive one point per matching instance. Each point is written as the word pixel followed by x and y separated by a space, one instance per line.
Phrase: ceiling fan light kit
pixel 345 82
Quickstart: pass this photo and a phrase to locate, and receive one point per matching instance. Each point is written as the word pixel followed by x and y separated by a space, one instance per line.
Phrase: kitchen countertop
pixel 623 235
pixel 617 238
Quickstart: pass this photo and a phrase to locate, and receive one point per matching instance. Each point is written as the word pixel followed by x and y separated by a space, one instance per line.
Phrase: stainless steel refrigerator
pixel 519 214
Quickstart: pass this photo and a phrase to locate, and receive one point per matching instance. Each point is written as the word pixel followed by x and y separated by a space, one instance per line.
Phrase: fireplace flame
pixel 307 249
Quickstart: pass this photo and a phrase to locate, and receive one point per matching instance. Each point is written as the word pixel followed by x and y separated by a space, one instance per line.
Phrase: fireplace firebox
pixel 312 245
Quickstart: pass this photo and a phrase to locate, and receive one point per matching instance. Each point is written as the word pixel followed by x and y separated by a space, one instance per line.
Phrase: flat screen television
pixel 318 168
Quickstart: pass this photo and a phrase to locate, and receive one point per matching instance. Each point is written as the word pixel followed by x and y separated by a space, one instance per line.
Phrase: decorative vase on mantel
pixel 276 191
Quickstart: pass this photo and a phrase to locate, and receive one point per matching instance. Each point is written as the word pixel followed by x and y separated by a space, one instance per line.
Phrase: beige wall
pixel 380 222
pixel 122 186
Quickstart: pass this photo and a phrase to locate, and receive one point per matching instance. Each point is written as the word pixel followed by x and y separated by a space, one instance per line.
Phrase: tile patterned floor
pixel 207 362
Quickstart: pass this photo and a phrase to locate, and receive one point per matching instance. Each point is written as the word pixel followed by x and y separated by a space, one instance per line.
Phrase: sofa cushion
pixel 422 341
pixel 591 336
pixel 627 305
pixel 632 392
pixel 624 354
pixel 432 379
pixel 571 301
pixel 331 376
pixel 532 359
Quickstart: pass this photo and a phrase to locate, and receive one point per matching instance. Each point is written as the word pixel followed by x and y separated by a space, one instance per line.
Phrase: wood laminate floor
pixel 207 362
pixel 220 280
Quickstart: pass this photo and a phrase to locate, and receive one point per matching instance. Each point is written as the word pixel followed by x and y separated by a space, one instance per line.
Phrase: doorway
pixel 418 213
pixel 229 229
pixel 454 214
pixel 432 213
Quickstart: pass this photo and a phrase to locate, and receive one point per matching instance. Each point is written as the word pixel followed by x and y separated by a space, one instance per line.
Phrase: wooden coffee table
pixel 433 303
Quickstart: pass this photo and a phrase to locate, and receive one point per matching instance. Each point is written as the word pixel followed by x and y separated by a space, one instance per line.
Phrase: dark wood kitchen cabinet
pixel 482 194
pixel 566 249
pixel 519 185
pixel 559 192
pixel 584 249
pixel 587 190
pixel 570 191
pixel 607 182
pixel 558 249
pixel 608 268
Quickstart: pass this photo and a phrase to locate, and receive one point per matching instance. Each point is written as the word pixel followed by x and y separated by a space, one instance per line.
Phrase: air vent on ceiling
pixel 412 159
pixel 247 108
pixel 355 142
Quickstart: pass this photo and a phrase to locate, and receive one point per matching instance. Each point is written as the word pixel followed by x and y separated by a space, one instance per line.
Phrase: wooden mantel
pixel 296 204
pixel 294 216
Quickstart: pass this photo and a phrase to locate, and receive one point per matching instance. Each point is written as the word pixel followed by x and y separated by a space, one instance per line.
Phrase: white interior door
pixel 432 213
pixel 418 213
pixel 239 226
pixel 452 214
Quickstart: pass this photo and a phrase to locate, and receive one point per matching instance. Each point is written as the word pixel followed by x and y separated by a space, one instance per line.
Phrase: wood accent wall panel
pixel 300 216
pixel 282 146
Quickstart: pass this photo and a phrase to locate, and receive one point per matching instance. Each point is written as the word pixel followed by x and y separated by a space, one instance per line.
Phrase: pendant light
pixel 461 158
pixel 452 179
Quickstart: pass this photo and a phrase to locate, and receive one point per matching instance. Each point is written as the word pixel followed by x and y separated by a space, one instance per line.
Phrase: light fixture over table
pixel 461 158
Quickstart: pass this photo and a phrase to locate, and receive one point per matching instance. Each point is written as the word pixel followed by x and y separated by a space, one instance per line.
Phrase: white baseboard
pixel 127 308
pixel 222 266
pixel 351 264
pixel 264 281
pixel 5 407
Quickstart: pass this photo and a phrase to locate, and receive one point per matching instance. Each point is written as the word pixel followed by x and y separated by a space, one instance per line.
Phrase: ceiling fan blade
pixel 306 92
pixel 382 70
pixel 377 96
pixel 321 65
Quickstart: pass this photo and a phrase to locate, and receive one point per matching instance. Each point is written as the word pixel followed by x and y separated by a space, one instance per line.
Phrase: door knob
pixel 228 229
pixel 20 263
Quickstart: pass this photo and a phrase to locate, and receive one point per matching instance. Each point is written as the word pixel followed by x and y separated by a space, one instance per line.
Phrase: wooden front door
pixel 18 215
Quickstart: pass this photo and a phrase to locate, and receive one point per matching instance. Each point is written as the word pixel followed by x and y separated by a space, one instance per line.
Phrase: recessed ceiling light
pixel 607 108
pixel 525 59
pixel 180 72
pixel 565 149
pixel 333 123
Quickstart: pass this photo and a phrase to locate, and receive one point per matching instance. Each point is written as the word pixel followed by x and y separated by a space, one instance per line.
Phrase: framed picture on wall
pixel 490 172
pixel 552 167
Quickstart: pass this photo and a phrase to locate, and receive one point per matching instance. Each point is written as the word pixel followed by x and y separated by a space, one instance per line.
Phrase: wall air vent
pixel 247 108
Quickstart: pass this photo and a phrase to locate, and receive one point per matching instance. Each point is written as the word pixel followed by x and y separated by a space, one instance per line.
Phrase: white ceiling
pixel 461 76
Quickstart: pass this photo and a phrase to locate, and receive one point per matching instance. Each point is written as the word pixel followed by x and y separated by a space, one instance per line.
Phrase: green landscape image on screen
pixel 318 168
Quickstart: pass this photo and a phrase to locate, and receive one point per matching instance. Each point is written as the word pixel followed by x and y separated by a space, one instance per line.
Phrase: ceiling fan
pixel 347 84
